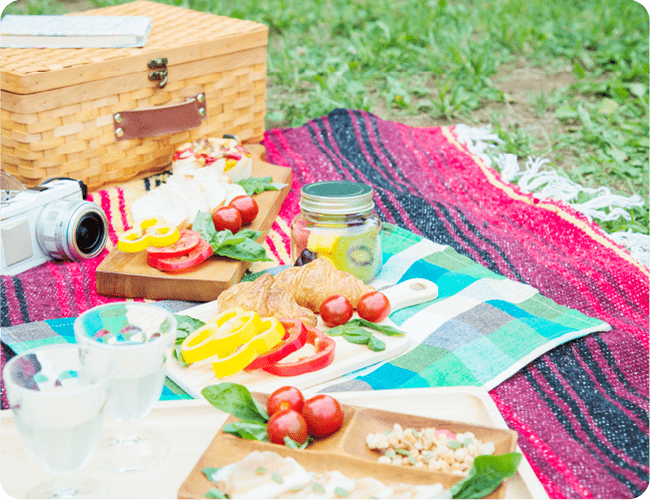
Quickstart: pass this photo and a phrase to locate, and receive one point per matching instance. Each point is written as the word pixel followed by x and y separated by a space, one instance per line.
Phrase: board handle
pixel 410 293
pixel 160 120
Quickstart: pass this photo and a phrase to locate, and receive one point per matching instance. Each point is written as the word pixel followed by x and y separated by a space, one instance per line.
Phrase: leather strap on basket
pixel 160 120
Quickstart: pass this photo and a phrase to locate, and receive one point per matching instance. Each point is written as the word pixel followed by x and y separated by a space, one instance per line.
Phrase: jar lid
pixel 336 197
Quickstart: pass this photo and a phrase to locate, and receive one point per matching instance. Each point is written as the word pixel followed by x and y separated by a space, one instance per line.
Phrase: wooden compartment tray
pixel 346 450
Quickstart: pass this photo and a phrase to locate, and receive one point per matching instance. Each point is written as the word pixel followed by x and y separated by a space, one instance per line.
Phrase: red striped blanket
pixel 581 410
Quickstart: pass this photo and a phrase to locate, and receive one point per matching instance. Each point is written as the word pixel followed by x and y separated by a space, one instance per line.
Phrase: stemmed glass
pixel 58 395
pixel 138 339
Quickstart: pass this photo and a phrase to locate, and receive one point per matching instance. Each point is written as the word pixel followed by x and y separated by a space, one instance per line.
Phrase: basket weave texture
pixel 58 104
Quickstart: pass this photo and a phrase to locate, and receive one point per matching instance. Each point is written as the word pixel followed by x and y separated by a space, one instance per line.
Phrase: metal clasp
pixel 160 75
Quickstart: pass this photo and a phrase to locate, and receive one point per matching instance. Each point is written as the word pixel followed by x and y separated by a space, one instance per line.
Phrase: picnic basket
pixel 105 115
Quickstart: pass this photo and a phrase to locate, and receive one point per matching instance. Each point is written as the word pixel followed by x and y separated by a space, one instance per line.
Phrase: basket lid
pixel 181 35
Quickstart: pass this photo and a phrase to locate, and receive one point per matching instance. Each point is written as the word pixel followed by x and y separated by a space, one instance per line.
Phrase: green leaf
pixel 254 185
pixel 185 326
pixel 385 329
pixel 357 339
pixel 247 250
pixel 375 344
pixel 210 472
pixel 204 226
pixel 253 431
pixel 237 400
pixel 215 493
pixel 485 475
pixel 296 445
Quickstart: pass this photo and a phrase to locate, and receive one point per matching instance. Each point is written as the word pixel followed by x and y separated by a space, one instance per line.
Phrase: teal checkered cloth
pixel 21 338
pixel 481 329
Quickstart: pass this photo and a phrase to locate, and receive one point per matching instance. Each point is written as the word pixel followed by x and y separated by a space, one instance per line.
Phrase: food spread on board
pixel 200 209
pixel 287 420
pixel 270 325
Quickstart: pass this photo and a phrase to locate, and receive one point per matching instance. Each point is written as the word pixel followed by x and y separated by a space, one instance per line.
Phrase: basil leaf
pixel 357 339
pixel 225 238
pixel 254 185
pixel 247 250
pixel 253 431
pixel 210 472
pixel 294 444
pixel 237 400
pixel 485 475
pixel 215 493
pixel 250 234
pixel 337 330
pixel 375 344
pixel 204 226
pixel 385 329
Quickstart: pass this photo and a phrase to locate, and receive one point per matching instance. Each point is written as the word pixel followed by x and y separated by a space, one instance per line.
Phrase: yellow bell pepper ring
pixel 268 337
pixel 221 335
pixel 153 231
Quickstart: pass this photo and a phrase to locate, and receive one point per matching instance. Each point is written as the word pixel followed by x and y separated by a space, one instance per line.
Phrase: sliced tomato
pixel 185 244
pixel 183 262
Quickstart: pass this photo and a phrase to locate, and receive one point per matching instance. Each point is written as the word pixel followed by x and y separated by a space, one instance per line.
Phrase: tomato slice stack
pixel 189 251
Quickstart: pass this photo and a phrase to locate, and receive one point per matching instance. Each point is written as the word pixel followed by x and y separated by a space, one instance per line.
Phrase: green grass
pixel 443 61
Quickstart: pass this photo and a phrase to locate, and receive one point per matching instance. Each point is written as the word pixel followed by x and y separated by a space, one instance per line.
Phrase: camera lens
pixel 90 232
pixel 72 230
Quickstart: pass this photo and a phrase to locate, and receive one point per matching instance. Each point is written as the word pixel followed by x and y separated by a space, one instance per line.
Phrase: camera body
pixel 50 221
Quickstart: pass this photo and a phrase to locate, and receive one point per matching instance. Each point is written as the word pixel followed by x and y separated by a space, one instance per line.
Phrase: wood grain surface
pixel 124 274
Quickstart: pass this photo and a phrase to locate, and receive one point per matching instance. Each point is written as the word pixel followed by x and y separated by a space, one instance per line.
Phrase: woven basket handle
pixel 160 120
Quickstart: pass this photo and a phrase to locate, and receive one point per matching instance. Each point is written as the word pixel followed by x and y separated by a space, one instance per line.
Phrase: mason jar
pixel 337 222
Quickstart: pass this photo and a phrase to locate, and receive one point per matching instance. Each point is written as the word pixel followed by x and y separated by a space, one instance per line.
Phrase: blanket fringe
pixel 603 205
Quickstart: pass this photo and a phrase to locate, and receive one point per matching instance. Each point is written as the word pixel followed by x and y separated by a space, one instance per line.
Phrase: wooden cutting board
pixel 348 357
pixel 346 450
pixel 124 274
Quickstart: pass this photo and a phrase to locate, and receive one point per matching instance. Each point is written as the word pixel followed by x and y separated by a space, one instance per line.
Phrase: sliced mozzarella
pixel 260 475
pixel 216 190
pixel 161 202
pixel 192 193
pixel 232 191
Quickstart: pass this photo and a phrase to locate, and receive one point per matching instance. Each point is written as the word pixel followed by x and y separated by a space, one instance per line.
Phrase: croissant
pixel 312 283
pixel 260 296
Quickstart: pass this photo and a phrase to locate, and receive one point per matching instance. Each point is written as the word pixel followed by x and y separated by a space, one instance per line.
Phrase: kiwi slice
pixel 358 255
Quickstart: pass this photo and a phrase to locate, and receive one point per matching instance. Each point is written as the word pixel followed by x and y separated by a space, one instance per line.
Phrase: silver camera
pixel 50 221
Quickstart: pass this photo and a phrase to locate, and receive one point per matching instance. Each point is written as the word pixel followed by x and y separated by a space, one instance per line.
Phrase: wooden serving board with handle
pixel 124 274
pixel 346 450
pixel 348 357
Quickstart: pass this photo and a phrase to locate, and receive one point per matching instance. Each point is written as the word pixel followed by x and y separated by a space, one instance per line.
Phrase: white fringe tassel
pixel 549 184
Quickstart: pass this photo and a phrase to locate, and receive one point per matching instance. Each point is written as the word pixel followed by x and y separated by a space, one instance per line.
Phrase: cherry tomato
pixel 287 423
pixel 336 310
pixel 227 218
pixel 323 415
pixel 247 207
pixel 188 241
pixel 284 398
pixel 373 306
pixel 184 262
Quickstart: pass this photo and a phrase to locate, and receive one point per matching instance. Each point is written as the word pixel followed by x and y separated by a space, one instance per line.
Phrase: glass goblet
pixel 58 396
pixel 138 339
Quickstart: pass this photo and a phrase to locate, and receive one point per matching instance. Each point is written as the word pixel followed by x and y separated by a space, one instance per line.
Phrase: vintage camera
pixel 50 221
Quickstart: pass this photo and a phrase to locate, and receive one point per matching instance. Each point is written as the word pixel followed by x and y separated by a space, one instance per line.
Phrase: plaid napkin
pixel 23 337
pixel 481 329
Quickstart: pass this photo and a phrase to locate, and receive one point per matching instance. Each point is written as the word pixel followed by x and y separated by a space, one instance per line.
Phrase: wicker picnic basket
pixel 105 115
